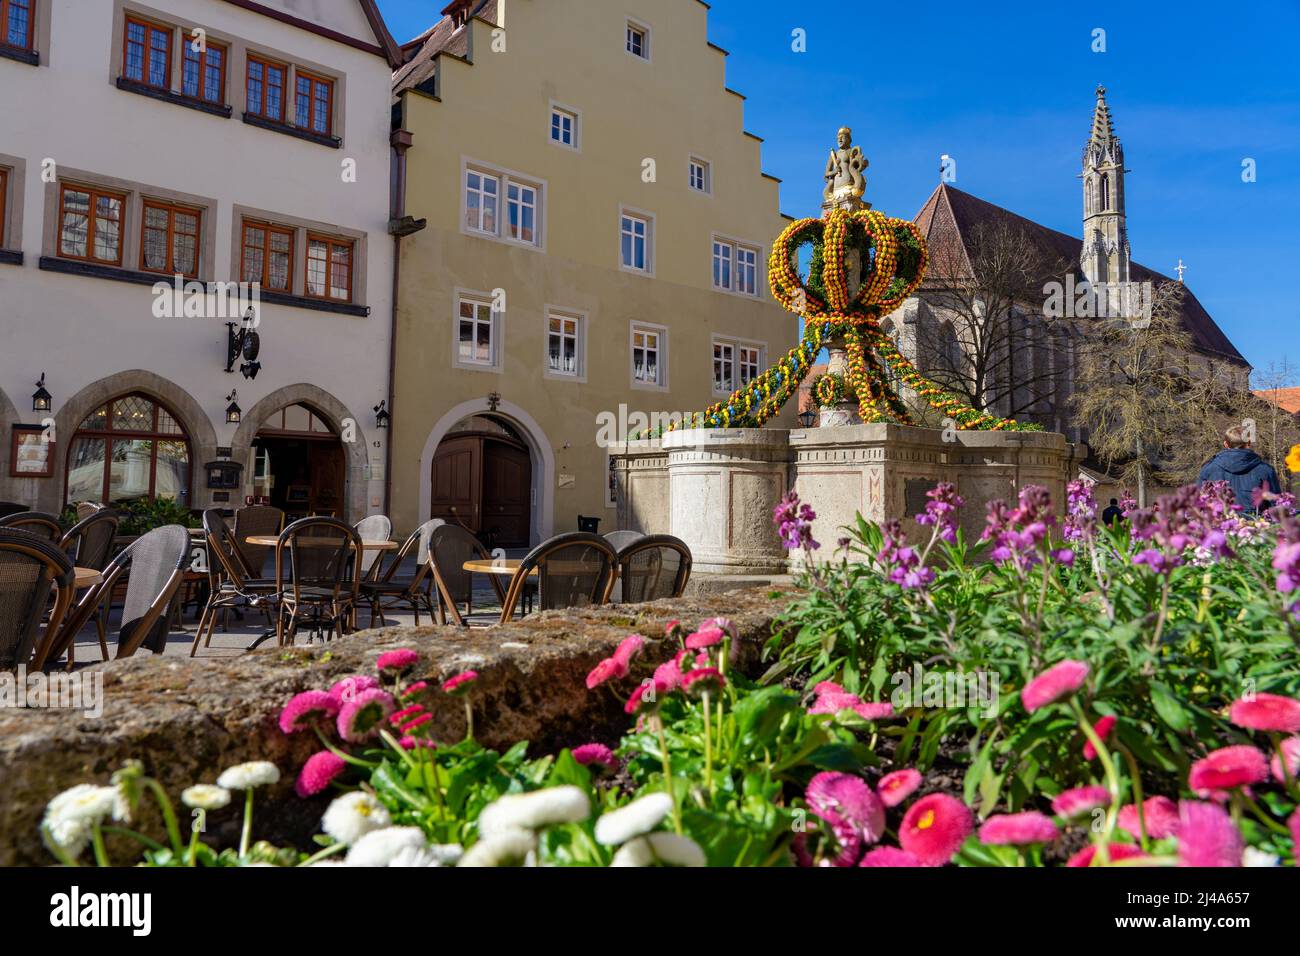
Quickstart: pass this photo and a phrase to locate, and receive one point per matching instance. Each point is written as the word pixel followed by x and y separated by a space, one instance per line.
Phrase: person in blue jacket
pixel 1241 468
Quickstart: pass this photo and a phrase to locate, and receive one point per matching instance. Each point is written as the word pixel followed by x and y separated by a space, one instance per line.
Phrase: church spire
pixel 1105 254
pixel 1103 130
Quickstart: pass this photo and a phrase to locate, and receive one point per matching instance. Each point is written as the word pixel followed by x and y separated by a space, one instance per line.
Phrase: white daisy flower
pixel 84 803
pixel 380 847
pixel 533 811
pixel 246 776
pixel 70 836
pixel 664 849
pixel 414 857
pixel 353 815
pixel 638 817
pixel 1253 856
pixel 504 848
pixel 205 796
pixel 447 854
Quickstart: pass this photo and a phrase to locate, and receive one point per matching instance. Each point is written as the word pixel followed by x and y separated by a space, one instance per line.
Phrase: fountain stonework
pixel 714 478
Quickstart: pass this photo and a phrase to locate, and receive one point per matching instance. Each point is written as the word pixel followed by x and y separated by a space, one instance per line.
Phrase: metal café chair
pixel 373 528
pixel 89 543
pixel 8 508
pixel 31 569
pixel 36 522
pixel 317 576
pixel 229 587
pixel 388 590
pixel 450 546
pixel 573 570
pixel 256 521
pixel 653 567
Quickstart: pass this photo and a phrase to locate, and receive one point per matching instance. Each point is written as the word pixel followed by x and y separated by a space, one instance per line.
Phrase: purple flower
pixel 794 523
pixel 1017 532
pixel 1080 511
pixel 900 561
pixel 941 510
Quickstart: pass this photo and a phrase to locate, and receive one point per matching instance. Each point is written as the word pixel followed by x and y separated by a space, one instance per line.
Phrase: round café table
pixel 86 578
pixel 504 567
pixel 271 540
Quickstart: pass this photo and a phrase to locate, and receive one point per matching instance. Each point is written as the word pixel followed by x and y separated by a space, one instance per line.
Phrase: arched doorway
pixel 298 464
pixel 482 478
pixel 130 448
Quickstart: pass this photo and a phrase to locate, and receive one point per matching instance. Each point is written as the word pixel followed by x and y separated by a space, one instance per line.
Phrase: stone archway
pixel 202 436
pixel 539 446
pixel 335 413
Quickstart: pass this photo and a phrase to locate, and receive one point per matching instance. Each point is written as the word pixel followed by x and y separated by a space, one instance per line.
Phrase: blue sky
pixel 1194 89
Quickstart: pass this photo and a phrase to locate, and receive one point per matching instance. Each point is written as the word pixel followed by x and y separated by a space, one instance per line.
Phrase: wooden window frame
pixel 313 79
pixel 95 193
pixel 172 209
pixel 200 96
pixel 267 229
pixel 111 435
pixel 477 302
pixel 265 63
pixel 30 44
pixel 149 26
pixel 330 242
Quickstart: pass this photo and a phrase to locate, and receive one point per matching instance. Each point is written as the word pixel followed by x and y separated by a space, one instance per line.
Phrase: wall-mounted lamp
pixel 233 413
pixel 243 343
pixel 41 399
pixel 381 414
pixel 807 418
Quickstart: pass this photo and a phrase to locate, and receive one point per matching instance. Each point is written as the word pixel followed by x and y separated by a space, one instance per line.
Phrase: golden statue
pixel 845 182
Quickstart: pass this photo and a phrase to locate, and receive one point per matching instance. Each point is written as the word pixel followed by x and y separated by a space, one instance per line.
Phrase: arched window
pixel 1105 192
pixel 1087 196
pixel 129 448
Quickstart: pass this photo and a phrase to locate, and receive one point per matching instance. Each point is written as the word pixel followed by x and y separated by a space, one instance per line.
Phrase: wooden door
pixel 326 478
pixel 457 482
pixel 507 494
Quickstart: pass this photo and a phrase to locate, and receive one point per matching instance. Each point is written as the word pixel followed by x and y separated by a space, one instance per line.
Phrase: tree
pixel 985 336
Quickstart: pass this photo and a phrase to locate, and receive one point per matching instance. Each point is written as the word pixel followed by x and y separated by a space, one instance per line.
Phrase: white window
pixel 750 363
pixel 564 344
pixel 701 176
pixel 476 343
pixel 523 216
pixel 735 267
pixel 648 358
pixel 637 236
pixel 638 40
pixel 564 127
pixel 735 364
pixel 724 368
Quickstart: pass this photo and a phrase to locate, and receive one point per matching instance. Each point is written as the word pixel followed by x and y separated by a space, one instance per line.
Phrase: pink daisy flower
pixel 398 660
pixel 406 713
pixel 1161 817
pixel 629 648
pixel 647 697
pixel 896 787
pixel 1102 729
pixel 1117 851
pixel 832 702
pixel 872 710
pixel 704 680
pixel 890 856
pixel 1056 683
pixel 704 637
pixel 597 754
pixel 723 624
pixel 1267 712
pixel 1291 749
pixel 854 814
pixel 1227 768
pixel 669 673
pixel 362 716
pixel 415 688
pixel 410 743
pixel 320 770
pixel 1080 800
pixel 934 828
pixel 1294 825
pixel 460 684
pixel 307 708
pixel 1207 836
pixel 673 629
pixel 349 687
pixel 416 723
pixel 608 669
pixel 1018 829
pixel 828 687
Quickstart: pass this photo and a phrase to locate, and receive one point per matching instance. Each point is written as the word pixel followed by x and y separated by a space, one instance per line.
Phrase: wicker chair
pixel 30 568
pixel 573 570
pixel 87 508
pixel 89 543
pixel 37 523
pixel 621 539
pixel 373 528
pixel 449 548
pixel 387 591
pixel 254 521
pixel 653 567
pixel 8 508
pixel 317 576
pixel 154 567
pixel 229 588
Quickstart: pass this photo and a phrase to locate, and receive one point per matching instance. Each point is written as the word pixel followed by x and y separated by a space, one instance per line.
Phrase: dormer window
pixel 459 11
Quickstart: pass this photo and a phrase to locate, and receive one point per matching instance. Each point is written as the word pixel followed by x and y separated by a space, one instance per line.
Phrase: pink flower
pixel 890 856
pixel 1294 825
pixel 1102 729
pixel 617 665
pixel 398 660
pixel 349 687
pixel 871 710
pixel 415 688
pixel 854 814
pixel 1267 712
pixel 306 708
pixel 629 648
pixel 1291 748
pixel 1207 836
pixel 405 714
pixel 704 637
pixel 1056 683
pixel 361 717
pixel 831 699
pixel 318 772
pixel 1018 829
pixel 934 828
pixel 704 680
pixel 828 687
pixel 673 629
pixel 896 787
pixel 414 724
pixel 1160 815
pixel 1117 851
pixel 410 743
pixel 1080 800
pixel 1227 768
pixel 670 674
pixel 647 697
pixel 459 685
pixel 597 754
pixel 723 624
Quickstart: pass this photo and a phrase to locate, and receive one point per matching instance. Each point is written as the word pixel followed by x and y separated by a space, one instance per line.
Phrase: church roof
pixel 949 216
pixel 1287 399
pixel 445 36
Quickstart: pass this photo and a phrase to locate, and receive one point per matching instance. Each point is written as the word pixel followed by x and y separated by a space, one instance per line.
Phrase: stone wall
pixel 187 719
